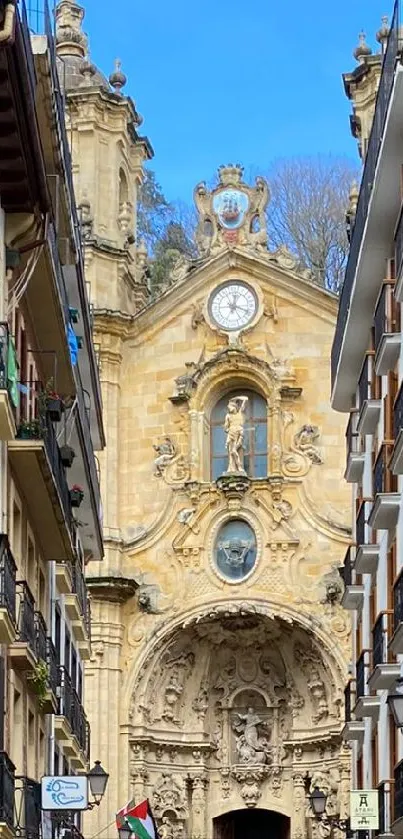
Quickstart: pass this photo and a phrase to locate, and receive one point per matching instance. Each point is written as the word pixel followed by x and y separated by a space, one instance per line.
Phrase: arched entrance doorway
pixel 255 824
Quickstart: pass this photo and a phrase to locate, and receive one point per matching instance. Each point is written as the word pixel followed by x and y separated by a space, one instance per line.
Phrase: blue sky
pixel 220 81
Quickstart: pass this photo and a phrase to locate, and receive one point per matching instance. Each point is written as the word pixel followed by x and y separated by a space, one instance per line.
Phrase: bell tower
pixel 108 155
pixel 361 85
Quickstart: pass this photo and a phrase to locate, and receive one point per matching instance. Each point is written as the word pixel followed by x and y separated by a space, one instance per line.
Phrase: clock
pixel 233 305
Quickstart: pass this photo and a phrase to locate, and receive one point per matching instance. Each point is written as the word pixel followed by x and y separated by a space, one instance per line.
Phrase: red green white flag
pixel 140 820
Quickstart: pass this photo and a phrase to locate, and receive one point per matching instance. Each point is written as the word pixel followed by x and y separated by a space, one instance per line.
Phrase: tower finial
pixel 362 50
pixel 70 38
pixel 117 79
pixel 383 33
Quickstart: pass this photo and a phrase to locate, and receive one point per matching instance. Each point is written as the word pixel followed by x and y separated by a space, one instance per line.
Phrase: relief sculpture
pixel 251 747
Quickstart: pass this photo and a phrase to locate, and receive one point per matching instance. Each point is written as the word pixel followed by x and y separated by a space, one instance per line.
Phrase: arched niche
pixel 214 388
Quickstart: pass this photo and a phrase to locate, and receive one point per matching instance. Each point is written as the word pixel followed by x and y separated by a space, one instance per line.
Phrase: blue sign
pixel 64 792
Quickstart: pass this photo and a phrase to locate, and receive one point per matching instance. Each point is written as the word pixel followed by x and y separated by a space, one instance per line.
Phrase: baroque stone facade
pixel 219 646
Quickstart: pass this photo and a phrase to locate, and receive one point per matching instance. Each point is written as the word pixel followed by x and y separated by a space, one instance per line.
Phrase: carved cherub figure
pixel 166 452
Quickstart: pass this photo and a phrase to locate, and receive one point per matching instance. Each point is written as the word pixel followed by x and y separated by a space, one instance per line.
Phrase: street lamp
pixel 395 702
pixel 318 800
pixel 124 830
pixel 97 780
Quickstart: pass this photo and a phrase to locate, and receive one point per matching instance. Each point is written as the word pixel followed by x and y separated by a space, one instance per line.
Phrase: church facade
pixel 219 646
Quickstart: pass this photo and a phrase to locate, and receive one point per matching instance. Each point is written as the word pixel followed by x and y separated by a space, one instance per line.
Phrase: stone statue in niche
pixel 305 441
pixel 234 427
pixel 318 696
pixel 176 685
pixel 251 748
pixel 166 452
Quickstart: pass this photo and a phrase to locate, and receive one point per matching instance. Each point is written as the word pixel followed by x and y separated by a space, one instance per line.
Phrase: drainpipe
pixel 7 33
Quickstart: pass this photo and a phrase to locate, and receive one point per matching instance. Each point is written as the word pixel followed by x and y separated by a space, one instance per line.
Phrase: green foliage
pixel 40 680
pixel 167 230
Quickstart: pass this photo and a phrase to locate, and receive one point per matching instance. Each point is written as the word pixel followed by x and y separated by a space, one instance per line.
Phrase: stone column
pixel 198 808
pixel 298 819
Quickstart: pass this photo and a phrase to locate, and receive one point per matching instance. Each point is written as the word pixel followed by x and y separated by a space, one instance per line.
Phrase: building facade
pixel 50 424
pixel 219 646
pixel 367 383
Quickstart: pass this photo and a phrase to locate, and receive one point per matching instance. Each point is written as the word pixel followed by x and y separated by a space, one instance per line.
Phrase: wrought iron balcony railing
pixel 379 641
pixel 70 706
pixel 7 789
pixel 361 667
pixel 365 381
pixel 382 809
pixel 7 364
pixel 385 314
pixel 381 108
pixel 53 667
pixel 347 569
pixel 398 792
pixel 398 413
pixel 384 480
pixel 27 808
pixel 349 694
pixel 360 525
pixel 79 588
pixel 40 637
pixel 398 602
pixel 8 571
pixel 26 627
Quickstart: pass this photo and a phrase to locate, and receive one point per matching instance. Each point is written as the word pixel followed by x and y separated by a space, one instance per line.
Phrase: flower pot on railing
pixel 67 455
pixel 30 430
pixel 54 408
pixel 76 496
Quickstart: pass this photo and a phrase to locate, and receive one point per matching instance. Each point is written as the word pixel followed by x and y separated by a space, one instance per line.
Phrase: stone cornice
pixel 112 589
pixel 300 290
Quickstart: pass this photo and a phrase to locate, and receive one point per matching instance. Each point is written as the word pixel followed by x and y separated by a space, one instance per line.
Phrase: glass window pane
pixel 218 435
pixel 260 466
pixel 261 437
pixel 219 466
pixel 259 407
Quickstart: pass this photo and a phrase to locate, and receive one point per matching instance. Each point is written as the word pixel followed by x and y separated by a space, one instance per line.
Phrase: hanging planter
pixel 67 455
pixel 54 407
pixel 76 495
pixel 74 315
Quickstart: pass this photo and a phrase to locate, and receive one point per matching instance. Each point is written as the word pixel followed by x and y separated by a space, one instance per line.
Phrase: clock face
pixel 233 305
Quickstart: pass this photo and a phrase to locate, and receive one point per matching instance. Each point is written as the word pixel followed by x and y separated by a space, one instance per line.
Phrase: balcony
pixel 385 509
pixel 369 408
pixel 71 273
pixel 396 463
pixel 396 644
pixel 63 577
pixel 387 338
pixel 7 789
pixel 353 596
pixel 366 559
pixel 71 726
pixel 50 703
pixel 36 461
pixel 7 593
pixel 8 392
pixel 23 652
pixel 397 826
pixel 27 808
pixel 355 452
pixel 384 673
pixel 377 211
pixel 78 610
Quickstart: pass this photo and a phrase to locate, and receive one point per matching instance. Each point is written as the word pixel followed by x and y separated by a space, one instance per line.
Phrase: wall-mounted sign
pixel 364 809
pixel 64 792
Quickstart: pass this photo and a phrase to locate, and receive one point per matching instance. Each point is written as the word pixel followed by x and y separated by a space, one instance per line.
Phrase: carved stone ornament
pixel 169 463
pixel 170 795
pixel 232 214
pixel 233 486
pixel 251 780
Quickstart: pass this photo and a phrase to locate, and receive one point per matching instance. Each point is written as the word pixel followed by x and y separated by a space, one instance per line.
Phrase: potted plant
pixel 76 495
pixel 40 681
pixel 67 455
pixel 30 430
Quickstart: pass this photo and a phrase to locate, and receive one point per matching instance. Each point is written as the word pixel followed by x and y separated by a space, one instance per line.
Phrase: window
pixel 255 435
pixel 58 632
